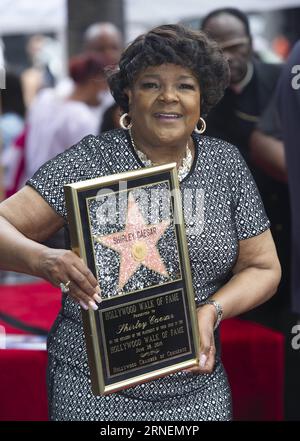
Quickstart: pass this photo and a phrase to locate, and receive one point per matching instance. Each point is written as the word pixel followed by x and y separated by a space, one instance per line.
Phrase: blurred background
pixel 274 25
pixel 49 53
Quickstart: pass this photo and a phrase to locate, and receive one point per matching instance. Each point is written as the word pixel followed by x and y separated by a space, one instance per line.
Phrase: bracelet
pixel 219 310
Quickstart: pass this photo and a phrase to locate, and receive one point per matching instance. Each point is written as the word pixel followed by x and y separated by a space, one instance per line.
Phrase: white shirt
pixel 66 86
pixel 55 124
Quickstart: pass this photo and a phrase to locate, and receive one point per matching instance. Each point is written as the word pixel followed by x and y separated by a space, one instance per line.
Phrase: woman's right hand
pixel 61 266
pixel 206 315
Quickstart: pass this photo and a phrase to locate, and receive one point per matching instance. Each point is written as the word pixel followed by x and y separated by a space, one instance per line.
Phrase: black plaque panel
pixel 145 333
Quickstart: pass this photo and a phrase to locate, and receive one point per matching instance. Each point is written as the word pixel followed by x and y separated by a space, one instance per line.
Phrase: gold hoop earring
pixel 203 126
pixel 122 122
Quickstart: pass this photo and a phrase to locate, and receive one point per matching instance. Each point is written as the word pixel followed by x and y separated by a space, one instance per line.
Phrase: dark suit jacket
pixel 289 110
pixel 236 115
pixel 233 119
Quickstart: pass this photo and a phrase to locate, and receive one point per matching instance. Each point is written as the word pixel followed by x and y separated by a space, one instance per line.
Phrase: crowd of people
pixel 36 129
pixel 250 112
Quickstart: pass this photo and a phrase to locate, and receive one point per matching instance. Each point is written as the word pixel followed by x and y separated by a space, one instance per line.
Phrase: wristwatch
pixel 219 310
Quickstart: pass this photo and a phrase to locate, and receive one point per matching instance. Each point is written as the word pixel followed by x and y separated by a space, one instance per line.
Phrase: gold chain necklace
pixel 183 170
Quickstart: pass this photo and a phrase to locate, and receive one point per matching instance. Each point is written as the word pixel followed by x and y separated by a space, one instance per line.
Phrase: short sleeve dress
pixel 230 210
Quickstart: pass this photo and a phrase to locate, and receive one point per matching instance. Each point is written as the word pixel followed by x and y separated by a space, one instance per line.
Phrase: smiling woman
pixel 164 102
pixel 168 80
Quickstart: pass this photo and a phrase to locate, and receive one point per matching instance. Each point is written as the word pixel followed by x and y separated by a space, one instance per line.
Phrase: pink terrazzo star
pixel 136 244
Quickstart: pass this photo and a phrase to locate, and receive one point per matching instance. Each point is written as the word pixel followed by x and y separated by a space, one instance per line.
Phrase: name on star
pixel 139 234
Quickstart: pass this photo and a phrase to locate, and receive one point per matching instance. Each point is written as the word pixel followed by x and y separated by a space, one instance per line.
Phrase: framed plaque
pixel 129 229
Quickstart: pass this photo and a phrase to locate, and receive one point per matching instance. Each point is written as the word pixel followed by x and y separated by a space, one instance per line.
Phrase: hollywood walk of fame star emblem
pixel 136 244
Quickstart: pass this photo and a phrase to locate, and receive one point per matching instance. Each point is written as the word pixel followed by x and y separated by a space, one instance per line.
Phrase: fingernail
pixel 93 305
pixel 83 305
pixel 97 298
pixel 202 361
pixel 98 290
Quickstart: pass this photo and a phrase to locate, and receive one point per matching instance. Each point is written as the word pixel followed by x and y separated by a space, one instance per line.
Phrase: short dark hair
pixel 231 11
pixel 178 45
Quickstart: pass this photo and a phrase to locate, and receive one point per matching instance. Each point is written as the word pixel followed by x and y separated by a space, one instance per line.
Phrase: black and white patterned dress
pixel 231 210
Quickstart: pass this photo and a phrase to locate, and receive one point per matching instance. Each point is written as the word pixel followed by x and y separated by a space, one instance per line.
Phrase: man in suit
pixel 235 119
pixel 288 95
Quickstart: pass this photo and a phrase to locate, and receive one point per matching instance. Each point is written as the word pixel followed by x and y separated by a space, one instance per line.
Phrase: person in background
pixel 12 109
pixel 11 127
pixel 104 38
pixel 55 123
pixel 288 102
pixel 288 106
pixel 235 119
pixel 252 83
pixel 38 75
pixel 111 118
pixel 12 157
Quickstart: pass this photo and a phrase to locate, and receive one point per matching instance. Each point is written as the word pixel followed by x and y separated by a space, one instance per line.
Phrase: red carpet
pixel 252 354
pixel 253 357
pixel 37 304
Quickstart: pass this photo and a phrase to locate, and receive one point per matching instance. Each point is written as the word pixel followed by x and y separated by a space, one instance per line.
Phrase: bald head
pixel 232 34
pixel 105 39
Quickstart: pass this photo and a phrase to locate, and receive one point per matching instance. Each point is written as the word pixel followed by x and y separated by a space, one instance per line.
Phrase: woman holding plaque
pixel 168 80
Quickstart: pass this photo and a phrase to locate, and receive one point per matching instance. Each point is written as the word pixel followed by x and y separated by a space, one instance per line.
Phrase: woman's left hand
pixel 206 321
